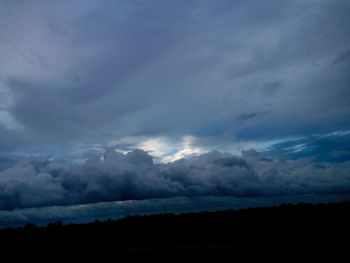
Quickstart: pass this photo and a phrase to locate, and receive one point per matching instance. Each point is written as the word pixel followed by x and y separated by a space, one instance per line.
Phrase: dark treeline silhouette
pixel 301 225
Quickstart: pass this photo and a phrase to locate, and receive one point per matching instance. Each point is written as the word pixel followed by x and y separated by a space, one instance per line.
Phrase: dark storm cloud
pixel 85 72
pixel 178 78
pixel 7 161
pixel 41 182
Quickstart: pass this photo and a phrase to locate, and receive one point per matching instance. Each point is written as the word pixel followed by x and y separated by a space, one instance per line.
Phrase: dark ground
pixel 222 235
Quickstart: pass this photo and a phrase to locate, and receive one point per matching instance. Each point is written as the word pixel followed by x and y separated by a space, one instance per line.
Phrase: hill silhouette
pixel 291 226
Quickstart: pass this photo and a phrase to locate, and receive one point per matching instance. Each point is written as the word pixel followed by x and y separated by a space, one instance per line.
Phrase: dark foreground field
pixel 168 237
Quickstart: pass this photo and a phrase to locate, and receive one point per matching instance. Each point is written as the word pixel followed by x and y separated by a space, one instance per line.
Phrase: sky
pixel 140 99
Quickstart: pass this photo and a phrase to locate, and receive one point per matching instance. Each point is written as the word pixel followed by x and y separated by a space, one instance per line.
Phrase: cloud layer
pixel 116 176
pixel 175 79
pixel 80 73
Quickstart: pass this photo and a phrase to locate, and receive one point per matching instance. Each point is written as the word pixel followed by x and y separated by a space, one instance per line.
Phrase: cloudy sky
pixel 101 100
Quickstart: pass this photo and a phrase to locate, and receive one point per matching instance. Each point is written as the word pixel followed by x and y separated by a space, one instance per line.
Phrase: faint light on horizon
pixel 166 150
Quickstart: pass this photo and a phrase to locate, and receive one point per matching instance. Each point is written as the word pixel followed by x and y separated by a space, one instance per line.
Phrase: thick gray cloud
pixel 80 73
pixel 176 79
pixel 40 182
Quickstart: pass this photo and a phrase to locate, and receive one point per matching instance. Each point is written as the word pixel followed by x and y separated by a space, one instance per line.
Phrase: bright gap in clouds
pixel 168 151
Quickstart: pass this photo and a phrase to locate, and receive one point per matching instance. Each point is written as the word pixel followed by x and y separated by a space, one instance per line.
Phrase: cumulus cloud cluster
pixel 116 176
